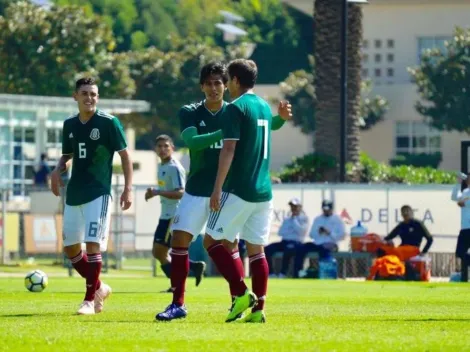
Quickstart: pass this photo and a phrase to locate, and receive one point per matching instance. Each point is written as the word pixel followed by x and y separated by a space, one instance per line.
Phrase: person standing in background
pixel 461 195
pixel 41 176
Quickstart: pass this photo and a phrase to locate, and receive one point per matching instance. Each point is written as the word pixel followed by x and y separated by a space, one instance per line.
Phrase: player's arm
pixel 425 233
pixel 284 111
pixel 231 131
pixel 119 145
pixel 395 232
pixel 64 162
pixel 197 142
pixel 189 135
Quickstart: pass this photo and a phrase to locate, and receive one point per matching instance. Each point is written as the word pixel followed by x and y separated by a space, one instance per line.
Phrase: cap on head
pixel 327 205
pixel 294 201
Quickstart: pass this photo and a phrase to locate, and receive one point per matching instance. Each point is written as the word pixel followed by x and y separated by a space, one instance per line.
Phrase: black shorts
pixel 463 243
pixel 162 233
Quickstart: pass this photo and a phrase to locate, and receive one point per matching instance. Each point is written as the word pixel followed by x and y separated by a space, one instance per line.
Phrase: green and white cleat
pixel 240 304
pixel 255 317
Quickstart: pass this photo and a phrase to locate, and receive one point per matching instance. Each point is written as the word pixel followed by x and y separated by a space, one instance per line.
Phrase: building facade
pixel 395 34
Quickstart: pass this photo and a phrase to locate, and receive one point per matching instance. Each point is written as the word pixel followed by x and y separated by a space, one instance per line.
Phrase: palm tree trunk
pixel 327 45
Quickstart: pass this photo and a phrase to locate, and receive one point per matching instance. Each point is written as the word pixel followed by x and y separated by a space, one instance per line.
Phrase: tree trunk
pixel 328 14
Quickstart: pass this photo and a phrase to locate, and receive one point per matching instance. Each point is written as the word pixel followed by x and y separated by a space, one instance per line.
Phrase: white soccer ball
pixel 36 281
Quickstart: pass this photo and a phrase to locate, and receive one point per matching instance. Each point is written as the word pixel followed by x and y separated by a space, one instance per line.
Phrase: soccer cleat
pixel 169 290
pixel 255 317
pixel 173 311
pixel 240 304
pixel 199 269
pixel 86 308
pixel 101 295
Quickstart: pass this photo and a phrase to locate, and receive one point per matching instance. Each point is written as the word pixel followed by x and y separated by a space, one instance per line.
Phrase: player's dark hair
pixel 165 138
pixel 245 70
pixel 85 81
pixel 406 207
pixel 213 68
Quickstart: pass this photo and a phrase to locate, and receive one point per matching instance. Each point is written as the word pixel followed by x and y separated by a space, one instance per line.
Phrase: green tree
pixel 299 89
pixel 443 80
pixel 43 52
pixel 268 22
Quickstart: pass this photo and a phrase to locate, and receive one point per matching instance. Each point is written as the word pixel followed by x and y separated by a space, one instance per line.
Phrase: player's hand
pixel 126 199
pixel 56 182
pixel 461 203
pixel 284 110
pixel 150 193
pixel 215 200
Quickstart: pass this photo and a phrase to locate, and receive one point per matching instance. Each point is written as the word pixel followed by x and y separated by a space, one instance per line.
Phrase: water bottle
pixel 357 232
pixel 328 269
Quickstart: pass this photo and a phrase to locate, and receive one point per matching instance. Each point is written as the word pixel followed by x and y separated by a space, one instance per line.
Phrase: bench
pixel 360 262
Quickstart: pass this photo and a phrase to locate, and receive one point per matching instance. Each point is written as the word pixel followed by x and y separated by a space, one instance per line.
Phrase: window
pixel 365 73
pixel 377 58
pixel 390 72
pixel 416 137
pixel 365 44
pixel 390 57
pixel 378 72
pixel 390 43
pixel 425 43
pixel 365 58
pixel 377 43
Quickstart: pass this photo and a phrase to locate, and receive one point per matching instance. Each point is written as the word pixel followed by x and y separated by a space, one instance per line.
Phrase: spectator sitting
pixel 327 230
pixel 411 233
pixel 293 232
pixel 41 176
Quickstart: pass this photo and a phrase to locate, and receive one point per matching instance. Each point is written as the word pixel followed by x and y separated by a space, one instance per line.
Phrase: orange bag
pixel 422 265
pixel 387 266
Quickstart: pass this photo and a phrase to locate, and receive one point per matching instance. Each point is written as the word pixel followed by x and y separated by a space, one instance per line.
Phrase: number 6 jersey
pixel 93 145
pixel 203 163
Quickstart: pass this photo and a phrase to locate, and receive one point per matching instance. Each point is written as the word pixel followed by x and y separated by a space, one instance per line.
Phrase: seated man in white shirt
pixel 327 230
pixel 293 232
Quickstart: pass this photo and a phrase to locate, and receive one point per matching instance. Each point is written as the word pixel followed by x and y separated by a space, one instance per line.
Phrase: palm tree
pixel 327 14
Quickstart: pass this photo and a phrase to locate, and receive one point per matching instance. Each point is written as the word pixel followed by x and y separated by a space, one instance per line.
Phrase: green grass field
pixel 303 315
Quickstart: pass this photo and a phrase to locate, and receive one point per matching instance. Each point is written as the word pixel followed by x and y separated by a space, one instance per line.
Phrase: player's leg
pixel 256 235
pixel 214 249
pixel 161 245
pixel 226 224
pixel 186 222
pixel 97 215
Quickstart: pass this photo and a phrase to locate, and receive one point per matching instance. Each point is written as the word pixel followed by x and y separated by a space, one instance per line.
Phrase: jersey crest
pixel 95 134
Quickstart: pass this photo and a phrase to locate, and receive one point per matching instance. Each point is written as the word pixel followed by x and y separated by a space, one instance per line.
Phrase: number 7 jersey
pixel 93 145
pixel 248 120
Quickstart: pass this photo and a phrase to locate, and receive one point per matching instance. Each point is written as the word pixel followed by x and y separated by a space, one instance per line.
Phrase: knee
pixel 73 250
pixel 181 239
pixel 230 246
pixel 209 242
pixel 92 247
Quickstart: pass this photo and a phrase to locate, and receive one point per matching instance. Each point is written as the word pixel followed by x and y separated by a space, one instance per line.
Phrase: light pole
pixel 344 88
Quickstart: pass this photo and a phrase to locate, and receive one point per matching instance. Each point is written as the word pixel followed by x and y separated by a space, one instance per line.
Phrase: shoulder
pixel 419 222
pixel 107 118
pixel 175 165
pixel 70 120
pixel 190 108
pixel 337 217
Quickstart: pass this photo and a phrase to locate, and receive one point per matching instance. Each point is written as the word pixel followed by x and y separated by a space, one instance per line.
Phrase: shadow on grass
pixel 30 315
pixel 424 320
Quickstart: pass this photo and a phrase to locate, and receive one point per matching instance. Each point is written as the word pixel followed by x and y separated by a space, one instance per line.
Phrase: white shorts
pixel 191 215
pixel 252 221
pixel 88 222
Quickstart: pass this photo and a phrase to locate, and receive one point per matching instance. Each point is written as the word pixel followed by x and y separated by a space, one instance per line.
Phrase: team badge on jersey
pixel 95 134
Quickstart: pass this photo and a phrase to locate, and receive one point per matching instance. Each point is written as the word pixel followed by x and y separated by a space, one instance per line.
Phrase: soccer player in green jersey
pixel 90 139
pixel 241 201
pixel 200 130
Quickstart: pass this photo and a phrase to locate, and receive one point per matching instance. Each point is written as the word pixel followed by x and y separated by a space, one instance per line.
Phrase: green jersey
pixel 93 145
pixel 203 164
pixel 248 119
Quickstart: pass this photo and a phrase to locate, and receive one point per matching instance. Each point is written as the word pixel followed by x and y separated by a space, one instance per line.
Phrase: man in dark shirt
pixel 411 233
